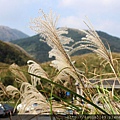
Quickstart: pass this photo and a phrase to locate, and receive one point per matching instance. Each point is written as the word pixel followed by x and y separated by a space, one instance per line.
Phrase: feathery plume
pixel 93 42
pixel 3 89
pixel 36 69
pixel 33 96
pixel 45 25
pixel 11 90
pixel 15 69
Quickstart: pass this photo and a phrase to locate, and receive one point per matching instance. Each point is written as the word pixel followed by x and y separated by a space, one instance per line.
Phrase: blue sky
pixel 103 14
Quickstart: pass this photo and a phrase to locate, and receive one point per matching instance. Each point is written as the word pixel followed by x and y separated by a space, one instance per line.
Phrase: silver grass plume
pixel 45 25
pixel 3 90
pixel 93 42
pixel 30 95
pixel 36 69
pixel 62 77
pixel 11 90
pixel 15 69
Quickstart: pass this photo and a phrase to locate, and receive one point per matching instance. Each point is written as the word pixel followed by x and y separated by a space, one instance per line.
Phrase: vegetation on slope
pixel 10 53
pixel 39 50
pixel 36 48
pixel 98 100
pixel 89 64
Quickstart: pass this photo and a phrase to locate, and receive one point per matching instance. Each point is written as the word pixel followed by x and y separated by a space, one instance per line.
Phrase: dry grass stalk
pixel 28 92
pixel 36 69
pixel 11 90
pixel 93 42
pixel 15 69
pixel 30 95
pixel 3 90
pixel 45 25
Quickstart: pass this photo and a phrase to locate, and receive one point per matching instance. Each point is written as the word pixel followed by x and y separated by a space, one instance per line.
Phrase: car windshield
pixel 7 106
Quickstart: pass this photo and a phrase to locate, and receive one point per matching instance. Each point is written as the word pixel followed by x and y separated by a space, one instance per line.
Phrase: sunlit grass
pixel 45 83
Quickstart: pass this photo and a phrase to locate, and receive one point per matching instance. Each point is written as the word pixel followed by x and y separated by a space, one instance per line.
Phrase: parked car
pixel 28 109
pixel 7 109
pixel 2 113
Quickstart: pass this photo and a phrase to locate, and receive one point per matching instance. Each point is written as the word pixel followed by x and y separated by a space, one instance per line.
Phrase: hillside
pixel 88 64
pixel 39 50
pixel 36 48
pixel 10 53
pixel 8 34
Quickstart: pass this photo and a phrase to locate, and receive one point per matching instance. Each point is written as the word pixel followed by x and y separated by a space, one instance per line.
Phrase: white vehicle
pixel 2 113
pixel 27 109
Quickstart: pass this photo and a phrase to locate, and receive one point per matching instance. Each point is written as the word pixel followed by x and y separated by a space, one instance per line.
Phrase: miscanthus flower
pixel 45 25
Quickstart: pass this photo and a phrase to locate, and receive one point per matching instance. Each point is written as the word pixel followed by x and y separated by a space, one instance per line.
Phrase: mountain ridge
pixel 8 34
pixel 39 50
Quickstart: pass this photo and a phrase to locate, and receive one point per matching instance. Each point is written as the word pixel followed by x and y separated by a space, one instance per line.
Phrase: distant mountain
pixel 36 48
pixel 11 53
pixel 8 34
pixel 39 50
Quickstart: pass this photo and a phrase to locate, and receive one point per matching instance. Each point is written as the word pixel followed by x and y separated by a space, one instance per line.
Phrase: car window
pixel 7 106
pixel 1 108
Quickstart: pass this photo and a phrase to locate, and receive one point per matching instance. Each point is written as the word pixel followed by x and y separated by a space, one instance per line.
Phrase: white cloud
pixel 67 3
pixel 91 6
pixel 17 13
pixel 70 21
pixel 110 26
pixel 104 14
pixel 84 3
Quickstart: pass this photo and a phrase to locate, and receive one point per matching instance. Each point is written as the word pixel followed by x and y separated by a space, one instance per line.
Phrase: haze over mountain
pixel 39 50
pixel 8 34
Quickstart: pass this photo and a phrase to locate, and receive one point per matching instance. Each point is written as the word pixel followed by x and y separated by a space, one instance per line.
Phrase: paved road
pixel 27 117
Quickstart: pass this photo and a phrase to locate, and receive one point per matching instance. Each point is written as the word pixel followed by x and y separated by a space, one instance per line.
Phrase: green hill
pixel 36 48
pixel 11 53
pixel 39 50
